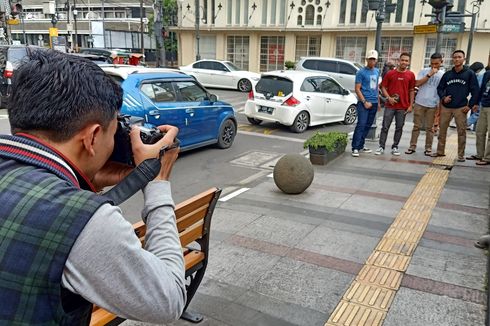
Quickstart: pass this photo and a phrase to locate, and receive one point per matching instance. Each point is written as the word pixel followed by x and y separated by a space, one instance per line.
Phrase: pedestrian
pixel 483 126
pixel 453 90
pixel 426 103
pixel 387 67
pixel 398 86
pixel 367 93
pixel 63 246
pixel 479 70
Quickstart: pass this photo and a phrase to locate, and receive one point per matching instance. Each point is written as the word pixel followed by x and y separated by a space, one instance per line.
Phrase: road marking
pixel 297 140
pixel 234 194
pixel 4 116
pixel 370 295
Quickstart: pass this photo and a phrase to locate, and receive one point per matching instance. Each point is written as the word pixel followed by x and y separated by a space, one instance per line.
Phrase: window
pixel 318 20
pixel 229 11
pixel 159 91
pixel 208 47
pixel 213 11
pixel 190 91
pixel 392 47
pixel 345 68
pixel 238 51
pixel 273 12
pixel 351 48
pixel 411 10
pixel 300 21
pixel 274 85
pixel 448 46
pixel 364 11
pixel 310 15
pixel 271 53
pixel 198 65
pixel 207 65
pixel 343 6
pixel 399 11
pixel 245 12
pixel 329 86
pixel 219 66
pixel 353 11
pixel 461 6
pixel 264 12
pixel 237 12
pixel 327 65
pixel 307 46
pixel 282 11
pixel 311 85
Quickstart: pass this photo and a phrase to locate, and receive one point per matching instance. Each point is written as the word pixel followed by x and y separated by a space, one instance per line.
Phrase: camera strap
pixel 136 180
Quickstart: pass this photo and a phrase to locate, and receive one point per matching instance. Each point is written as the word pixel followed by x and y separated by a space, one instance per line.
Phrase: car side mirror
pixel 345 92
pixel 213 98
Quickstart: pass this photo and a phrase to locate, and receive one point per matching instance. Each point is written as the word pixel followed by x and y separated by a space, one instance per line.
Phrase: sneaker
pixel 366 150
pixel 379 151
pixel 355 153
pixel 395 151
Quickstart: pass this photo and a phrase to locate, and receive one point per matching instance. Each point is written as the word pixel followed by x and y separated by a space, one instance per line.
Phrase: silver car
pixel 343 71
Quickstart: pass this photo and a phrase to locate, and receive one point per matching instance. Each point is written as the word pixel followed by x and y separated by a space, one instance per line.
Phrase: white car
pixel 222 74
pixel 300 99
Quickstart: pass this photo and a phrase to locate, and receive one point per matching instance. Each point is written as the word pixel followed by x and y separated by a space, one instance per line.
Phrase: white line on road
pixel 271 136
pixel 4 116
pixel 234 194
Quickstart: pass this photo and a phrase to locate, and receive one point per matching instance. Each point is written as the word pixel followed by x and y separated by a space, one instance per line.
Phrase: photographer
pixel 63 246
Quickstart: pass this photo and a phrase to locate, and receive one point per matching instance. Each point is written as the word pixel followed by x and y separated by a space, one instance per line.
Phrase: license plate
pixel 265 109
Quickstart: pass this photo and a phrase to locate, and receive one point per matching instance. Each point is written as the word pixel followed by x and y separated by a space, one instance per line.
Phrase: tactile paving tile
pixel 396 246
pixel 451 152
pixel 389 260
pixel 387 278
pixel 370 295
pixel 350 314
pixel 403 235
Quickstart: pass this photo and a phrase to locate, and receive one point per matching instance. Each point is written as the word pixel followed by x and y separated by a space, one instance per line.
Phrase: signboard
pixel 452 28
pixel 58 43
pixel 424 29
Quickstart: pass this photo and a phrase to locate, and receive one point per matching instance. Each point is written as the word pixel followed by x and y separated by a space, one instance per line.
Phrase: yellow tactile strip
pixel 370 295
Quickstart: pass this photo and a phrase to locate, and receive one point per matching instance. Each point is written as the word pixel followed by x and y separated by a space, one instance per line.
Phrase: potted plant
pixel 326 146
pixel 289 65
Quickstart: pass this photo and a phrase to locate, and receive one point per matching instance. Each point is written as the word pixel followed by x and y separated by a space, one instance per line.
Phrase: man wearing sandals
pixel 426 102
pixel 454 88
pixel 483 125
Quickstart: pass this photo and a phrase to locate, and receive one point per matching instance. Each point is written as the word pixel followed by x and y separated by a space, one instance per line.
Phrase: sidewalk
pixel 374 240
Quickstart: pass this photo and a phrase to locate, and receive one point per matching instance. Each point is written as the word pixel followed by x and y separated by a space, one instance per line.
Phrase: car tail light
pixel 292 101
pixel 9 70
pixel 251 95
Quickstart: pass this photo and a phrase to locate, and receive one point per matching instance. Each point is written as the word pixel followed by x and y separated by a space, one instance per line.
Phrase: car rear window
pixel 16 55
pixel 275 85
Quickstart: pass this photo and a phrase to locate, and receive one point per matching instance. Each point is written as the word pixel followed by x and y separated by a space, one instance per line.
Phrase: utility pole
pixel 75 13
pixel 380 18
pixel 475 10
pixel 142 28
pixel 441 14
pixel 198 18
pixel 103 23
pixel 158 30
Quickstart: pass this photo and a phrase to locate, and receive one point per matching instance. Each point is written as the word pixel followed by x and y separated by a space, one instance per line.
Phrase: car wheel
pixel 227 134
pixel 244 85
pixel 301 122
pixel 350 115
pixel 254 121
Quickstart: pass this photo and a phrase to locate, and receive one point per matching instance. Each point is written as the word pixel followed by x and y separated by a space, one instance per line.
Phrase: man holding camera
pixel 63 247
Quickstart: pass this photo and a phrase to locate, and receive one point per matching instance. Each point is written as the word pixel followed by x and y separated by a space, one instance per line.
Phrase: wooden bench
pixel 193 223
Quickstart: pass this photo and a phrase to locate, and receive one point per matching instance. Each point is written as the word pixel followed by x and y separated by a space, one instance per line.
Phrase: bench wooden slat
pixel 191 234
pixel 192 217
pixel 101 317
pixel 194 202
pixel 193 258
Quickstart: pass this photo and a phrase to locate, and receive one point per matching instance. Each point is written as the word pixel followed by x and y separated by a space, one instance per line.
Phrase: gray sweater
pixel 108 267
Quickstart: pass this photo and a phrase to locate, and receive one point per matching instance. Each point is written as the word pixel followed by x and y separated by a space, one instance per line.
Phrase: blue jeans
pixel 365 118
pixel 473 119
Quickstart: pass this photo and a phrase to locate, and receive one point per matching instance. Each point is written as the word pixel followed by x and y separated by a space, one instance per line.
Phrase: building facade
pixel 261 35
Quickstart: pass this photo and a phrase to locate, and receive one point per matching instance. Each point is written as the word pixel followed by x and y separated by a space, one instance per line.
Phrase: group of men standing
pixel 437 90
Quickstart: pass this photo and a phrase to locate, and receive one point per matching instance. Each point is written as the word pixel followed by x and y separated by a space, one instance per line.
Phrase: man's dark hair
pixel 59 94
pixel 436 56
pixel 459 51
pixel 477 66
pixel 405 54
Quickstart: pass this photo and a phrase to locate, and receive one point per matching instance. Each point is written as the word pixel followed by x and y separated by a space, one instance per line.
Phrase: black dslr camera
pixel 123 152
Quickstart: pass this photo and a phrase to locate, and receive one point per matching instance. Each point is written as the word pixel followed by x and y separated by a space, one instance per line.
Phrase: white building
pixel 260 35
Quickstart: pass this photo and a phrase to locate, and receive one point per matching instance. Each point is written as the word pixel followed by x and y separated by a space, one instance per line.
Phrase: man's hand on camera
pixel 142 151
pixel 111 173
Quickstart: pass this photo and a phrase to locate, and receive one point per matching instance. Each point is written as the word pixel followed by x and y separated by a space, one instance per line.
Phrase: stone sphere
pixel 293 173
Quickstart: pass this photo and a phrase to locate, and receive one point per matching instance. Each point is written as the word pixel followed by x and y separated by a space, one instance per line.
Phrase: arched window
pixel 310 15
pixel 300 20
pixel 399 11
pixel 318 19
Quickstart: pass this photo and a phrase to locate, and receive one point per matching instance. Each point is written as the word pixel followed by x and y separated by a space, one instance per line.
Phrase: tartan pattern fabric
pixel 41 215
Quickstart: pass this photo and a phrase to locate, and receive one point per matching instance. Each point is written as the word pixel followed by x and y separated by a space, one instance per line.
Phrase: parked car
pixel 300 99
pixel 162 97
pixel 343 71
pixel 223 74
pixel 11 57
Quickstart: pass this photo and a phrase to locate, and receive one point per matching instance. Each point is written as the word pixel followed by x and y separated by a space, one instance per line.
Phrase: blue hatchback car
pixel 162 96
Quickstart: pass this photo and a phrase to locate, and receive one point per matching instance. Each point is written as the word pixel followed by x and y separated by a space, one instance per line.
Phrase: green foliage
pixel 330 140
pixel 289 65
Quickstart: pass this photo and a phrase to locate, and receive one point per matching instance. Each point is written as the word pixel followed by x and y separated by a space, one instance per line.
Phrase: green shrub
pixel 330 140
pixel 289 65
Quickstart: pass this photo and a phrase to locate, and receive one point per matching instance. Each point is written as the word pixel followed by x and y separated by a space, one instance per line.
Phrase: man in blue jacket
pixel 483 125
pixel 453 90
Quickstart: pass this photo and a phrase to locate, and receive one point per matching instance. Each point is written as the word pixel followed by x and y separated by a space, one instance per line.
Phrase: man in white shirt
pixel 426 103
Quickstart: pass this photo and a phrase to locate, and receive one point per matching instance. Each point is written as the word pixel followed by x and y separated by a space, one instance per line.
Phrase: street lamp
pixel 196 4
pixel 75 13
pixel 382 8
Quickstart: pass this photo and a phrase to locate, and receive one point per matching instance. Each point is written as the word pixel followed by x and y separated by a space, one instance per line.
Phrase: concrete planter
pixel 321 156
